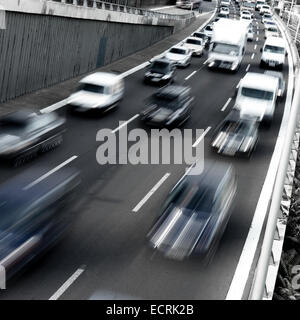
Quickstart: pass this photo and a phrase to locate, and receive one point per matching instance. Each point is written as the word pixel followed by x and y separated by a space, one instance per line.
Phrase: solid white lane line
pixel 46 175
pixel 226 104
pixel 201 137
pixel 248 67
pixel 252 57
pixel 125 123
pixel 151 192
pixel 55 106
pixel 255 47
pixel 243 268
pixel 189 76
pixel 67 284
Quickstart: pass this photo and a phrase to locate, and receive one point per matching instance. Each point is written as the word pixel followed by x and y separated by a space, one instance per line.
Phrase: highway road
pixel 105 254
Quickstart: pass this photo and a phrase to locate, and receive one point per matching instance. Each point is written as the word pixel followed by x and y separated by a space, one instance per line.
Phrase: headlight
pixel 147 74
pixel 166 77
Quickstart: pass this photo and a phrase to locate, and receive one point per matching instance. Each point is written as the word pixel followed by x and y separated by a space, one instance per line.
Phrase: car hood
pixel 229 143
pixel 252 107
pixel 88 99
pixel 160 114
pixel 222 57
pixel 175 57
pixel 193 47
pixel 273 56
pixel 177 232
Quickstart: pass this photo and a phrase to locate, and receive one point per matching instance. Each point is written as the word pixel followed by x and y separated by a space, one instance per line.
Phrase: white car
pixel 259 3
pixel 279 76
pixel 208 30
pixel 99 90
pixel 247 12
pixel 266 16
pixel 225 3
pixel 250 34
pixel 256 97
pixel 224 10
pixel 269 23
pixel 195 45
pixel 273 53
pixel 271 31
pixel 180 55
pixel 264 9
pixel 246 16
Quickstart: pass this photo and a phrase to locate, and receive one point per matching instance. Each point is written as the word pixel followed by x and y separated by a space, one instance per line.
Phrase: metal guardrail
pixel 292 21
pixel 266 254
pixel 104 5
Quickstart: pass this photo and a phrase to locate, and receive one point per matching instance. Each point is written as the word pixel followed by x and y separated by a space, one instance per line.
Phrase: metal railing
pixel 117 7
pixel 259 283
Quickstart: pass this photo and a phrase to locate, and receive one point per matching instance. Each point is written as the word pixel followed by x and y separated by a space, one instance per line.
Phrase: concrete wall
pixel 40 50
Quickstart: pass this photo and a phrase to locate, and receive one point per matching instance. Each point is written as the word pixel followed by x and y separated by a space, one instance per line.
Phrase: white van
pixel 256 96
pixel 273 53
pixel 100 90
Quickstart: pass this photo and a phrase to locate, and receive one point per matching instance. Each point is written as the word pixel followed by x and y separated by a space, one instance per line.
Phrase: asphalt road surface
pixel 106 253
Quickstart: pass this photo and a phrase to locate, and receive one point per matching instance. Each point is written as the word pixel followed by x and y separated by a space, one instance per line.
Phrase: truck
pixel 228 44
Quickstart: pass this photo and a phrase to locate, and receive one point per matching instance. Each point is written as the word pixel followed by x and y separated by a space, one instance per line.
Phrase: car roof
pixel 18 117
pixel 171 91
pixel 275 41
pixel 211 176
pixel 102 79
pixel 193 38
pixel 259 81
pixel 179 47
pixel 274 73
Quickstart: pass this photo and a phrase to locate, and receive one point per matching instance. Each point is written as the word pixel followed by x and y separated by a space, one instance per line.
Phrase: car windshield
pixel 267 16
pixel 193 196
pixel 257 94
pixel 91 88
pixel 160 67
pixel 194 41
pixel 165 101
pixel 273 49
pixel 225 49
pixel 177 51
pixel 272 29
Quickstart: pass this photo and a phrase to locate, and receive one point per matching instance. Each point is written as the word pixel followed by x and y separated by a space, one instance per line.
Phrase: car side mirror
pixel 260 50
pixel 286 54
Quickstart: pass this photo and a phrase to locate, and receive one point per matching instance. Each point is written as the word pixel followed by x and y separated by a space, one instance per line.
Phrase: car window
pixel 194 41
pixel 257 94
pixel 91 88
pixel 177 51
pixel 274 49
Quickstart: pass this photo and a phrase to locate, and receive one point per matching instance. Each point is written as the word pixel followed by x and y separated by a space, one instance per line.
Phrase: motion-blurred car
pixel 256 96
pixel 161 71
pixel 264 9
pixel 250 34
pixel 34 216
pixel 170 106
pixel 271 31
pixel 224 10
pixel 279 76
pixel 195 45
pixel 247 13
pixel 23 134
pixel 202 36
pixel 180 56
pixel 101 91
pixel 236 136
pixel 269 23
pixel 195 214
pixel 223 15
pixel 273 53
pixel 208 30
pixel 266 17
pixel 246 17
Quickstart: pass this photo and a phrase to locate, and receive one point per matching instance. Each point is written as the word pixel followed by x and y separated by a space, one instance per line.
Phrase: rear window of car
pixel 193 41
